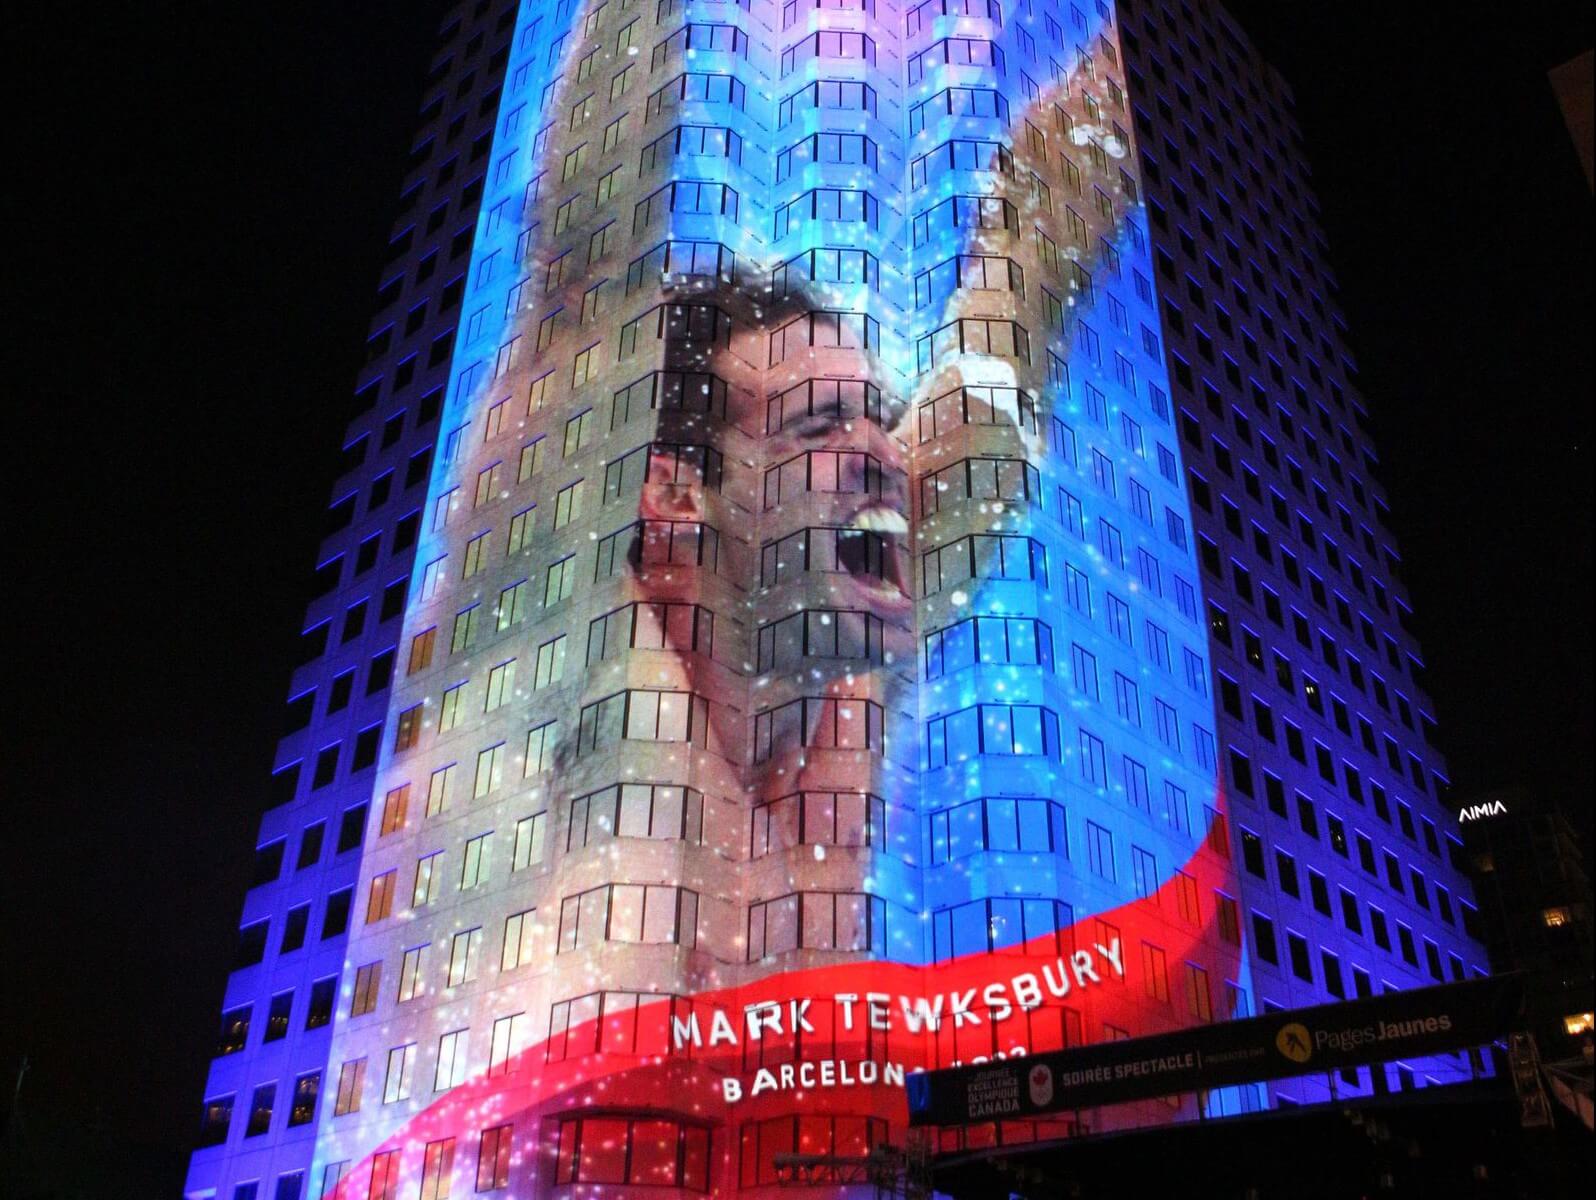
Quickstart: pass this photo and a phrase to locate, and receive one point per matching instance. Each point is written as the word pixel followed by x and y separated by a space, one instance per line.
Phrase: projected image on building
pixel 843 582
pixel 804 681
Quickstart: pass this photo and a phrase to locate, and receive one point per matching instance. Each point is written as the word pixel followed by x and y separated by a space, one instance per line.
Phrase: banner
pixel 1304 1041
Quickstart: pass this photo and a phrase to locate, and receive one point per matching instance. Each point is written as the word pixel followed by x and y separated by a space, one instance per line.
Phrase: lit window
pixel 1577 1023
pixel 1555 918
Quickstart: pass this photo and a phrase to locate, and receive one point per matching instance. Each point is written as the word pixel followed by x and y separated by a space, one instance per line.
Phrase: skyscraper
pixel 857 553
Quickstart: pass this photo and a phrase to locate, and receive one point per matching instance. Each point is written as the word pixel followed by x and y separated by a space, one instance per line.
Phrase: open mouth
pixel 876 558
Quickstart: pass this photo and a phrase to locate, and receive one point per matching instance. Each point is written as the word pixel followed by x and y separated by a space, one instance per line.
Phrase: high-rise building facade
pixel 1345 839
pixel 857 553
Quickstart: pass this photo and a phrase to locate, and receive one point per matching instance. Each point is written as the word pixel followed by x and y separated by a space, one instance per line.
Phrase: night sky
pixel 199 210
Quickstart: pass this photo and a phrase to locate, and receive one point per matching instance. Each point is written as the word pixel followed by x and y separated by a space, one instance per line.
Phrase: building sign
pixel 1476 812
pixel 1301 1041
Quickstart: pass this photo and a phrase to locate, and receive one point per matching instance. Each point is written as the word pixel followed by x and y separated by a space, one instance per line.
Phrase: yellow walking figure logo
pixel 1294 1042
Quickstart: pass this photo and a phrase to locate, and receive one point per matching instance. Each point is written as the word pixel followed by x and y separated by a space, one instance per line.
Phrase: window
pixel 429 878
pixel 489 771
pixel 841 1136
pixel 817 921
pixel 614 1022
pixel 493 1159
pixel 561 581
pixel 568 504
pixel 660 626
pixel 997 823
pixel 464 631
pixel 412 977
pixel 1100 851
pixel 452 1064
pixel 319 1011
pixel 1263 939
pixel 541 745
pixel 992 729
pixel 474 863
pixel 819 721
pixel 437 1169
pixel 395 806
pixel 550 667
pixel 1011 924
pixel 235 1030
pixel 302 1106
pixel 449 708
pixel 439 785
pixel 628 912
pixel 519 931
pixel 215 1120
pixel 641 810
pixel 261 1104
pixel 642 715
pixel 514 603
pixel 379 899
pixel 351 1082
pixel 400 1077
pixel 530 833
pixel 368 979
pixel 1155 973
pixel 1018 640
pixel 465 954
pixel 638 1152
pixel 384 1176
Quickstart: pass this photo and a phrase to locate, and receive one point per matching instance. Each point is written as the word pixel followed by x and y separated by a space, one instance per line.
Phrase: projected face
pixel 828 579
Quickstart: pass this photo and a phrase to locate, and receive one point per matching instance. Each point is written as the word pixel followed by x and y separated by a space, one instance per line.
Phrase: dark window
pixel 365 748
pixel 393 599
pixel 326 766
pixel 340 514
pixel 310 845
pixel 277 1017
pixel 322 994
pixel 1275 790
pixel 342 687
pixel 393 429
pixel 381 489
pixel 300 709
pixel 431 404
pixel 1263 936
pixel 260 1110
pixel 1319 890
pixel 251 945
pixel 215 1120
pixel 327 576
pixel 336 918
pixel 1301 967
pixel 294 926
pixel 380 674
pixel 284 784
pixel 313 643
pixel 404 532
pixel 366 556
pixel 268 863
pixel 1252 853
pixel 352 829
pixel 302 1110
pixel 235 1030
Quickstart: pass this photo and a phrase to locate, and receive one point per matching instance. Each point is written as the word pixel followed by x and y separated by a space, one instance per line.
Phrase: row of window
pixel 1427 894
pixel 620 1150
pixel 1267 947
pixel 1253 651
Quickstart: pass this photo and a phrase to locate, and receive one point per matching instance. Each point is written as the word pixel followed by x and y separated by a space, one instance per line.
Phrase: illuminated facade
pixel 797 670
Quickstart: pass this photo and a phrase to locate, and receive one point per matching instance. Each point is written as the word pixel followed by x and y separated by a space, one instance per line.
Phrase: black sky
pixel 194 238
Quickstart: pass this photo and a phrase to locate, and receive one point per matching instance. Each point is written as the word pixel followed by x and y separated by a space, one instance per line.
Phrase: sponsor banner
pixel 1302 1041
